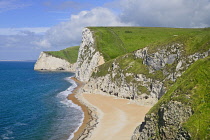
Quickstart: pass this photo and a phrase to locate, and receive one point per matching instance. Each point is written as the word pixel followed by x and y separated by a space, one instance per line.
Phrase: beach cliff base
pixel 117 118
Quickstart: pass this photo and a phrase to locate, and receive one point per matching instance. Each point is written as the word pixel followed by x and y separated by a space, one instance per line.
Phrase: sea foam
pixel 63 99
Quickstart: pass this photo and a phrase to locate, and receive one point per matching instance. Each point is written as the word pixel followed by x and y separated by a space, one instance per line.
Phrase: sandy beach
pixel 117 117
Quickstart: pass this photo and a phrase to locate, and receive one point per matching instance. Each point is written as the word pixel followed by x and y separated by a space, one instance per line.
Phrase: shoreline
pixel 90 118
pixel 84 109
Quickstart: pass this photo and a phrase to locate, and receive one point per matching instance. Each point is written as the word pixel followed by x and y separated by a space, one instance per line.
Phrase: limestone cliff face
pixel 170 61
pixel 166 124
pixel 88 57
pixel 49 62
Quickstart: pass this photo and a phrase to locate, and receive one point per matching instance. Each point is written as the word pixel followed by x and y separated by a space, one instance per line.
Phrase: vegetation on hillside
pixel 116 41
pixel 192 89
pixel 70 54
pixel 128 64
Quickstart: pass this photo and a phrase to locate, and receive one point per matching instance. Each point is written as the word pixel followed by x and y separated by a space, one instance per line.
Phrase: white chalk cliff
pixel 88 57
pixel 49 62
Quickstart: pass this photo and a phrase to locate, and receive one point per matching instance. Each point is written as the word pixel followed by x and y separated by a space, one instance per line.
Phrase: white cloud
pixel 173 13
pixel 18 31
pixel 24 40
pixel 69 33
pixel 21 45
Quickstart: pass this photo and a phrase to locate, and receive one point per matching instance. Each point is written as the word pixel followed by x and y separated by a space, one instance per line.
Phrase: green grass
pixel 143 90
pixel 116 41
pixel 70 54
pixel 193 89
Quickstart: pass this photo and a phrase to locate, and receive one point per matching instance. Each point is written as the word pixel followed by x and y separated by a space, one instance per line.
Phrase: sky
pixel 28 27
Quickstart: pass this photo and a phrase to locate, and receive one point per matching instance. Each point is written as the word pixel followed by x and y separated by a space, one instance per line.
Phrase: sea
pixel 33 104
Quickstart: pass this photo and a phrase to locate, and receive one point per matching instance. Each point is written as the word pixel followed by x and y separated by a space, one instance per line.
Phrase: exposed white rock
pixel 49 62
pixel 88 58
pixel 178 67
pixel 159 59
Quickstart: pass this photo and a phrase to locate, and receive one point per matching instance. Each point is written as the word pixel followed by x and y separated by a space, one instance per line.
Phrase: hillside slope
pixel 70 54
pixel 184 111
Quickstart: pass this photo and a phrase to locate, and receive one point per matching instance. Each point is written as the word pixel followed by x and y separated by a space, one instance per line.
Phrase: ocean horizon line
pixel 17 60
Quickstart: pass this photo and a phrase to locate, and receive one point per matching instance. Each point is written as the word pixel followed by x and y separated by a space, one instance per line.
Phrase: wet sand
pixel 84 109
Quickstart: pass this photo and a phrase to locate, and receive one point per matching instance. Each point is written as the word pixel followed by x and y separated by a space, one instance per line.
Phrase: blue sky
pixel 28 27
pixel 41 13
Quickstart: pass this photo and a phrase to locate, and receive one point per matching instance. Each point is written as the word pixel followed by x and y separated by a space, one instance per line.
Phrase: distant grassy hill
pixel 70 54
pixel 116 41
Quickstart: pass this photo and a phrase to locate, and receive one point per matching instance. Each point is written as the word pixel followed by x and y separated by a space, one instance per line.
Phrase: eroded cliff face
pixel 88 57
pixel 49 62
pixel 166 124
pixel 162 68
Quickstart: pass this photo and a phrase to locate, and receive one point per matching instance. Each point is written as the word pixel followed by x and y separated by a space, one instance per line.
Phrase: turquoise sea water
pixel 33 104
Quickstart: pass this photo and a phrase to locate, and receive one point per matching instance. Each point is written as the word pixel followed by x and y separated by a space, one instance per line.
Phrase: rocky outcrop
pixel 88 57
pixel 165 124
pixel 170 59
pixel 168 63
pixel 49 62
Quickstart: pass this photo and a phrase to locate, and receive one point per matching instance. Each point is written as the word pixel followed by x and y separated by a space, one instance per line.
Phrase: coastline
pixel 90 118
pixel 84 109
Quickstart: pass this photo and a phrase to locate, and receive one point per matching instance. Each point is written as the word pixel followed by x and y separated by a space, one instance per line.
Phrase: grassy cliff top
pixel 192 89
pixel 70 54
pixel 116 41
